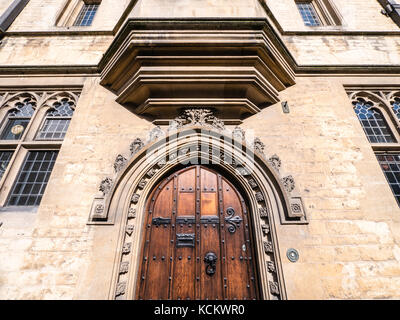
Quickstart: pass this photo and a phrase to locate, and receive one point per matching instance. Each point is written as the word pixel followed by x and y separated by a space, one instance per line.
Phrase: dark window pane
pixel 396 189
pixel 17 120
pixel 12 201
pixel 14 129
pixel 31 201
pixel 32 179
pixel 5 157
pixel 390 164
pixel 390 177
pixel 396 107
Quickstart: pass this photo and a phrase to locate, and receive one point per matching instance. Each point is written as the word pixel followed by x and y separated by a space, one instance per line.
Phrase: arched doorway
pixel 197 242
pixel 271 198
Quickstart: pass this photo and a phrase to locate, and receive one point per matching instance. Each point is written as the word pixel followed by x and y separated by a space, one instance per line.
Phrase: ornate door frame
pixel 270 197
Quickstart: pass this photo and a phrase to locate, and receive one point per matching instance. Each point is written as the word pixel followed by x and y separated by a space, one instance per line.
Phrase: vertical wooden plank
pixel 224 267
pixel 184 261
pixel 236 247
pixel 155 276
pixel 198 260
pixel 211 284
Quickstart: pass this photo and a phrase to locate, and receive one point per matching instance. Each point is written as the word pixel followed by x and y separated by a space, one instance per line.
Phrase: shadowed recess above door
pixel 237 67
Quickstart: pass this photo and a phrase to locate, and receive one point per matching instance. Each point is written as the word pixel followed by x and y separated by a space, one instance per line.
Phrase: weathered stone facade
pixel 349 247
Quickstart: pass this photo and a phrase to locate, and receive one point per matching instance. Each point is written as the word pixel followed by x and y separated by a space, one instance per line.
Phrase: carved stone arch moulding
pixel 270 194
pixel 11 100
pixel 378 98
pixel 38 98
pixel 49 99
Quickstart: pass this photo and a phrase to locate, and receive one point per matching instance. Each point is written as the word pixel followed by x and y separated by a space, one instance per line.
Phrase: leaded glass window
pixel 86 15
pixel 32 178
pixel 57 121
pixel 396 107
pixel 390 164
pixel 5 157
pixel 308 13
pixel 17 120
pixel 373 123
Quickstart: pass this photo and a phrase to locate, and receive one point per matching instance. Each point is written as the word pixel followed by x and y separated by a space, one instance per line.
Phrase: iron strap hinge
pixel 159 221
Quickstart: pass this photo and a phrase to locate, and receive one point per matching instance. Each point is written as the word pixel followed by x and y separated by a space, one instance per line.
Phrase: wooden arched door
pixel 197 241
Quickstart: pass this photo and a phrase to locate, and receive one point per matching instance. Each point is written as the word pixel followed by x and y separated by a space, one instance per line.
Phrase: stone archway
pixel 271 198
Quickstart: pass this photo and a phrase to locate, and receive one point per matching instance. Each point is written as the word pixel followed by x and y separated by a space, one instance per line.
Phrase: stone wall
pixel 41 15
pixel 349 250
pixel 357 15
pixel 56 50
pixel 51 249
pixel 352 241
pixel 344 50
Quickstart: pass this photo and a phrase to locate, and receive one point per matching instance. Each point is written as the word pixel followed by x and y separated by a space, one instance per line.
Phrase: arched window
pixel 373 123
pixel 25 164
pixel 376 126
pixel 17 120
pixel 57 121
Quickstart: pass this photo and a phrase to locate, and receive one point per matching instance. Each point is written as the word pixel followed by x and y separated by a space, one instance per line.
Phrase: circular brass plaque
pixel 17 129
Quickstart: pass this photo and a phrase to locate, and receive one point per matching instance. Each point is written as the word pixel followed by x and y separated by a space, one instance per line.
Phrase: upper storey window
pixel 317 13
pixel 17 120
pixel 373 122
pixel 78 13
pixel 308 13
pixel 396 107
pixel 34 125
pixel 86 15
pixel 57 121
pixel 378 113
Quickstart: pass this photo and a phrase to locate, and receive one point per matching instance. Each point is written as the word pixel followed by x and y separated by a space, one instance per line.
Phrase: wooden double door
pixel 197 241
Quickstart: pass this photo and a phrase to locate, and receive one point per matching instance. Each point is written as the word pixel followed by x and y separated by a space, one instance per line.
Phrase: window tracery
pixel 22 113
pixel 57 120
pixel 17 120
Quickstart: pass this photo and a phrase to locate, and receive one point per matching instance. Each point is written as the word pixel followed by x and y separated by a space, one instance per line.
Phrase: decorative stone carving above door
pixel 159 151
